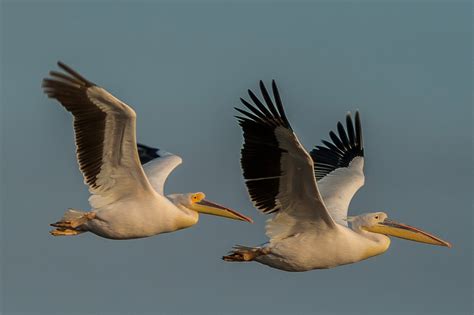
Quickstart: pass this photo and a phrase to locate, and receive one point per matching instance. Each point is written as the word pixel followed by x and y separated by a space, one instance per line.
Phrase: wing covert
pixel 157 164
pixel 339 167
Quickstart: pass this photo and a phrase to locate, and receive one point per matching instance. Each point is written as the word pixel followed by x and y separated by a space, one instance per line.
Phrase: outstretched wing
pixel 157 164
pixel 104 129
pixel 339 167
pixel 278 170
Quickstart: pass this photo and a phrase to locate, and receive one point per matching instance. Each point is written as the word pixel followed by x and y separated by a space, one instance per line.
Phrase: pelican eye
pixel 376 217
pixel 197 197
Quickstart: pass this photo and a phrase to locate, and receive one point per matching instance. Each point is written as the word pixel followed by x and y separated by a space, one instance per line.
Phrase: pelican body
pixel 323 248
pixel 127 200
pixel 309 193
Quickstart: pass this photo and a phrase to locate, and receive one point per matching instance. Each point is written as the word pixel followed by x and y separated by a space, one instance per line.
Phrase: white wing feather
pixel 339 187
pixel 302 205
pixel 158 169
pixel 105 137
pixel 121 172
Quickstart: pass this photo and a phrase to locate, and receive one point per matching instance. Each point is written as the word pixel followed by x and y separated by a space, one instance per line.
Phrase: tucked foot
pixel 244 253
pixel 74 221
pixel 65 232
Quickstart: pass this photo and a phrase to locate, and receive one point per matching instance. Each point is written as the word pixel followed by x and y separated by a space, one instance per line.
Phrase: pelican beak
pixel 208 207
pixel 389 227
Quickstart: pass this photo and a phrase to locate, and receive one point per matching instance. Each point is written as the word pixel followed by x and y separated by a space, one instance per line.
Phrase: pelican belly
pixel 129 219
pixel 320 250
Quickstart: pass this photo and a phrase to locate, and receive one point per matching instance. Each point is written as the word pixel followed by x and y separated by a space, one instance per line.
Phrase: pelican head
pixel 196 202
pixel 378 222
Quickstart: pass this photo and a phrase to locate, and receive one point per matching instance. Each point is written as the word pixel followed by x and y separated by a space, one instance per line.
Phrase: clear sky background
pixel 406 66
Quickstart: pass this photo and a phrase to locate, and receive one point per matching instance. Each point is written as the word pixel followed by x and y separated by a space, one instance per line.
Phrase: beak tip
pixel 247 219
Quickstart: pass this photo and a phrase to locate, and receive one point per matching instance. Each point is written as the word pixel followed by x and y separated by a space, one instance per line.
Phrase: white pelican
pixel 127 200
pixel 309 229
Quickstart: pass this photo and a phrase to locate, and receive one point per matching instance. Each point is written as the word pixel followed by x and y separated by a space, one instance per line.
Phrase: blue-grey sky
pixel 405 65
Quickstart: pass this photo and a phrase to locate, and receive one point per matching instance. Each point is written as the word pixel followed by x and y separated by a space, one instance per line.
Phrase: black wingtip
pixel 147 153
pixel 262 86
pixel 343 135
pixel 261 152
pixel 358 130
pixel 350 129
pixel 279 104
pixel 64 66
pixel 74 73
pixel 357 115
pixel 346 145
pixel 147 147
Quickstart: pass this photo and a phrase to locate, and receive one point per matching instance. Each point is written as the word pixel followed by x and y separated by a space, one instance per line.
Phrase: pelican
pixel 127 201
pixel 309 194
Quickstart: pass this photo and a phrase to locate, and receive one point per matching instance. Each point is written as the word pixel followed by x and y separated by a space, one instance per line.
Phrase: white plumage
pixel 126 200
pixel 158 169
pixel 338 187
pixel 309 193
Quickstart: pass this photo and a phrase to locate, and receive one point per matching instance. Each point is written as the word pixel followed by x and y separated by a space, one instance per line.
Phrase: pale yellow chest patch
pixel 376 248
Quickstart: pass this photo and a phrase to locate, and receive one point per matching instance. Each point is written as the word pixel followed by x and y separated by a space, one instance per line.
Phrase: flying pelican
pixel 309 229
pixel 127 200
